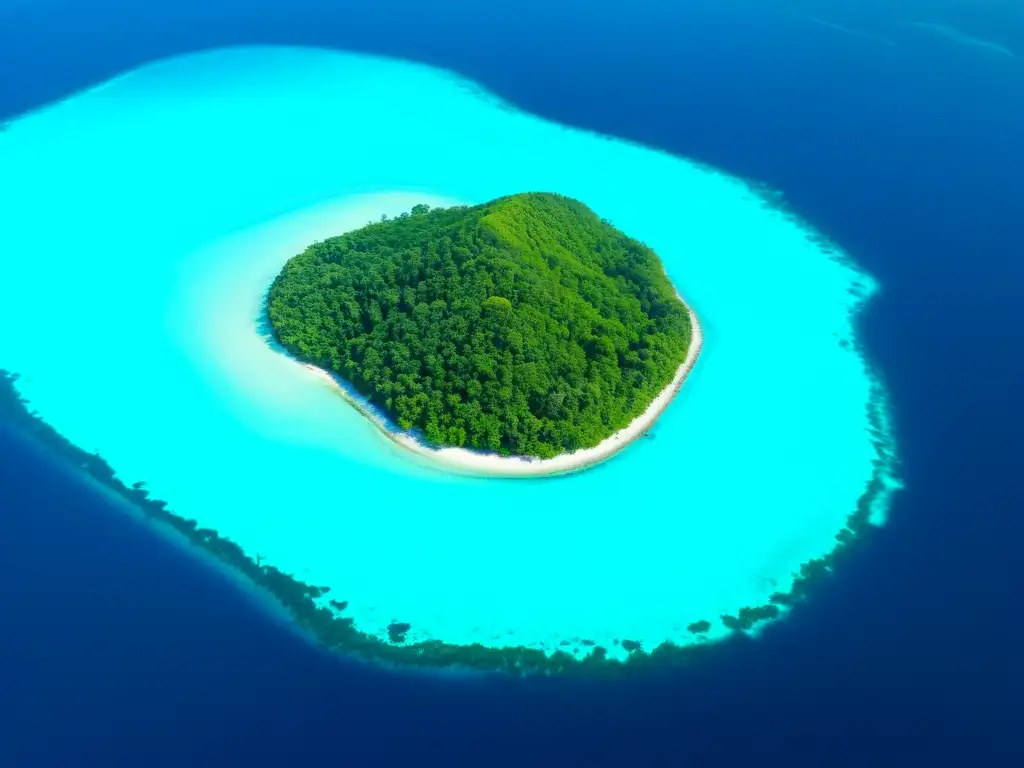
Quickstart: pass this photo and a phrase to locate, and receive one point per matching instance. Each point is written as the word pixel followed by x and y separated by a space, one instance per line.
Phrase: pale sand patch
pixel 478 463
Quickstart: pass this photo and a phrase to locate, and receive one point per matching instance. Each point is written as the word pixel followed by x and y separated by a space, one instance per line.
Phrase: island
pixel 764 476
pixel 523 336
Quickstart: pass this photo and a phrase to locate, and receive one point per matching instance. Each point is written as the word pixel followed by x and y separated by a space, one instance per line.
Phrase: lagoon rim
pixel 186 185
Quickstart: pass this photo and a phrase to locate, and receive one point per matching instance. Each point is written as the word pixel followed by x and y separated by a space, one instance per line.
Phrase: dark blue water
pixel 118 650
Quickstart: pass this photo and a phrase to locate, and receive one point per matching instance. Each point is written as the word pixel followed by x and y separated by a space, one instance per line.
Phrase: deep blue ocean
pixel 904 145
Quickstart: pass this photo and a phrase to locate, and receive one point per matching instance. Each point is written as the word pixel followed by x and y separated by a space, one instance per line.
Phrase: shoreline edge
pixel 465 461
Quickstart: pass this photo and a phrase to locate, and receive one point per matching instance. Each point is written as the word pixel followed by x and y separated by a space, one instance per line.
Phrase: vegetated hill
pixel 526 325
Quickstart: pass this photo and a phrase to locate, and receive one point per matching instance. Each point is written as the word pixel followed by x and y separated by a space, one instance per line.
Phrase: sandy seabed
pixel 145 219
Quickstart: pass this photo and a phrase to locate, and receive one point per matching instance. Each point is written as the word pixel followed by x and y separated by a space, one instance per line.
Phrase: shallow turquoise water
pixel 144 219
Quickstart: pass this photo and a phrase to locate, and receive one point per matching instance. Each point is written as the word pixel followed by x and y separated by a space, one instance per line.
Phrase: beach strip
pixel 464 461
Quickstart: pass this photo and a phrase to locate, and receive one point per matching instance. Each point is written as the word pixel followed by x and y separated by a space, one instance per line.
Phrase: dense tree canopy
pixel 526 325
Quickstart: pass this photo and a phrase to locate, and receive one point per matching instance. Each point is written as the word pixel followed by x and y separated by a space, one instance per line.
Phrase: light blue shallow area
pixel 143 221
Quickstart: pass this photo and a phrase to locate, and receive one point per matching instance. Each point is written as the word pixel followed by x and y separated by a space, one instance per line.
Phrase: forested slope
pixel 526 325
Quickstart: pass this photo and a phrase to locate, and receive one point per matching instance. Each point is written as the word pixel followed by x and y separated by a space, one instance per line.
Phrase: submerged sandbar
pixel 771 461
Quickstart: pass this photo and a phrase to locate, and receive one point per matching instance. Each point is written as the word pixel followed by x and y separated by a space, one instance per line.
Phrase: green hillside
pixel 526 325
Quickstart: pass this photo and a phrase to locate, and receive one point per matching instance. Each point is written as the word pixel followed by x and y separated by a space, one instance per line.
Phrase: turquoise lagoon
pixel 144 219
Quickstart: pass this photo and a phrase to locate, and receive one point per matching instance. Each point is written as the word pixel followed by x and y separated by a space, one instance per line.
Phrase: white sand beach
pixel 465 461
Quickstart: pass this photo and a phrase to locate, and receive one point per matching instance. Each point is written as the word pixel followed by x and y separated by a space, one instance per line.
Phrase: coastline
pixel 338 540
pixel 469 462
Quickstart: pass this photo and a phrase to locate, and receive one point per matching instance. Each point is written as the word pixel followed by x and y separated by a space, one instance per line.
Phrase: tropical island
pixel 761 481
pixel 524 334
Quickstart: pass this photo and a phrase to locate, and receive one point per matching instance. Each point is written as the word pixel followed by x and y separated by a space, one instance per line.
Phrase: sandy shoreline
pixel 464 461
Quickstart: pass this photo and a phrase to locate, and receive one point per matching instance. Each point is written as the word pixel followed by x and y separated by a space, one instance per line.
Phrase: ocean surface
pixel 253 154
pixel 143 216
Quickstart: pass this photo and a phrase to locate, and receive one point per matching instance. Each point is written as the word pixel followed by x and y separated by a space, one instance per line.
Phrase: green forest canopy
pixel 526 325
